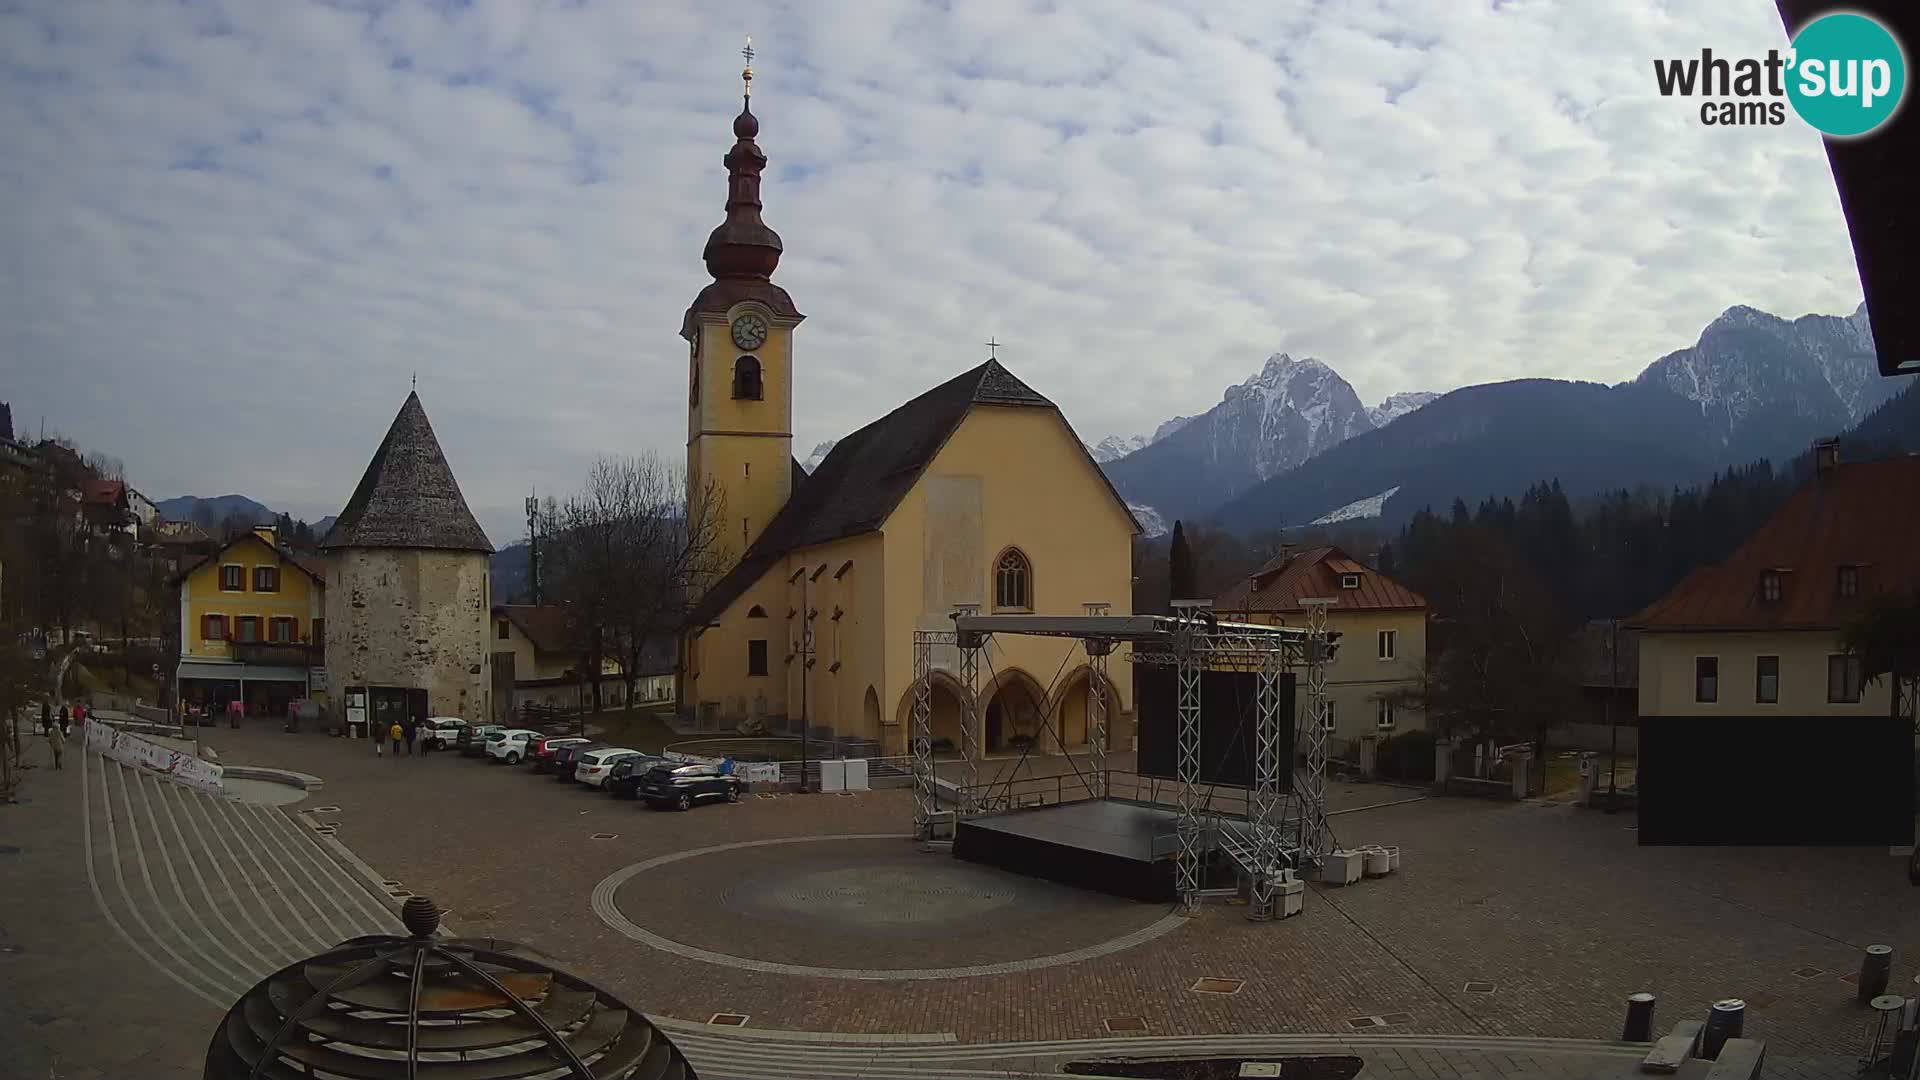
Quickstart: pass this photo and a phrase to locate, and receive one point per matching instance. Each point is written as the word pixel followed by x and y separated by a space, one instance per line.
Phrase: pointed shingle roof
pixel 408 497
pixel 867 473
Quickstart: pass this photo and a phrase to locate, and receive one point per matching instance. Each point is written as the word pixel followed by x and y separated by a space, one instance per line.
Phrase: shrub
pixel 1407 756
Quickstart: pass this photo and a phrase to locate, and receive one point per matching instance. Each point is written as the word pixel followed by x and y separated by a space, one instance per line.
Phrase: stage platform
pixel 1106 845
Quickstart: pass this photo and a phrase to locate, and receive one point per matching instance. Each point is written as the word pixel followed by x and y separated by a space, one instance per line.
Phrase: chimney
pixel 1826 456
pixel 265 532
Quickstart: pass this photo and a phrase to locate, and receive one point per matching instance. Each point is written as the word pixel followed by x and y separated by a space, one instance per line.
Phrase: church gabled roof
pixel 407 497
pixel 867 473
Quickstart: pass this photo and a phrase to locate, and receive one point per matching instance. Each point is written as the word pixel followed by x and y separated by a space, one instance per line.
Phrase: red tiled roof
pixel 314 566
pixel 545 625
pixel 103 492
pixel 1284 581
pixel 1864 515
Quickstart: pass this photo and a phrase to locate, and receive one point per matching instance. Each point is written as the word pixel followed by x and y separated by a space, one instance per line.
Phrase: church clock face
pixel 749 331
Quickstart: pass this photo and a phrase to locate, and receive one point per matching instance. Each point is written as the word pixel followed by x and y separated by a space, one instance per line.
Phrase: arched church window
pixel 756 612
pixel 746 379
pixel 1013 581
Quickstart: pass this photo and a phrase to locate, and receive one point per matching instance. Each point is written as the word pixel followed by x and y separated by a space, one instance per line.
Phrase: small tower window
pixel 1770 587
pixel 746 379
pixel 1847 581
pixel 1349 581
pixel 1013 581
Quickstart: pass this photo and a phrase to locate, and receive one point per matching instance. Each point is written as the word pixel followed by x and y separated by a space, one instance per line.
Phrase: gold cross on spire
pixel 746 75
pixel 993 349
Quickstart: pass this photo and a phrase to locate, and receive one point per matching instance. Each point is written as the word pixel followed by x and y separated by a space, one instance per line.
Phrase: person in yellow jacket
pixel 398 736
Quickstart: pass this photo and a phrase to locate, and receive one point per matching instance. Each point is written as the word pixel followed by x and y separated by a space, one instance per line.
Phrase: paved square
pixel 1551 913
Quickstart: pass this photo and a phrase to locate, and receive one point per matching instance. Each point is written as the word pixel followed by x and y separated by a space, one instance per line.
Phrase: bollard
pixel 1639 1026
pixel 1875 969
pixel 1726 1021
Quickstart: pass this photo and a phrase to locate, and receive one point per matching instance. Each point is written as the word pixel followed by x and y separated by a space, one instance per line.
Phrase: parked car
pixel 680 786
pixel 473 740
pixel 567 757
pixel 442 732
pixel 510 744
pixel 623 781
pixel 544 750
pixel 591 768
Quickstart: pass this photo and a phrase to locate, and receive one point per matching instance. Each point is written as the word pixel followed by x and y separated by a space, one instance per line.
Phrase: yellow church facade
pixel 977 492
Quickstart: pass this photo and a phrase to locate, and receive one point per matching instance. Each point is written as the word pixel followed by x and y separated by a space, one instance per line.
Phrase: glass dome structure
pixel 427 1008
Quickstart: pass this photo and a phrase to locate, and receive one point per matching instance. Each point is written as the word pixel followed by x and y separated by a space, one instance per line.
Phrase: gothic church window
pixel 1013 582
pixel 746 379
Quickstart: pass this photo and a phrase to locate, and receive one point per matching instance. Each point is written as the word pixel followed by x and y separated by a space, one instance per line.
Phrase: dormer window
pixel 1349 581
pixel 746 379
pixel 1847 581
pixel 1770 587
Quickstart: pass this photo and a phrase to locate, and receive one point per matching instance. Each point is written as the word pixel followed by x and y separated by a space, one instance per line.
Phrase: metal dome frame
pixel 358 1012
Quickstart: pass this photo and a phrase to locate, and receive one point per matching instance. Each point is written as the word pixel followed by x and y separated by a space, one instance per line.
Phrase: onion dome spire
pixel 743 246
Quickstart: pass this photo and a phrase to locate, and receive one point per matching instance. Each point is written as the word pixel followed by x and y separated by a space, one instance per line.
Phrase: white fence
pixel 130 749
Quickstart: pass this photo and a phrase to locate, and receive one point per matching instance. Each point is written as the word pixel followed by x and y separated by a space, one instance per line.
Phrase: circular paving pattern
pixel 873 907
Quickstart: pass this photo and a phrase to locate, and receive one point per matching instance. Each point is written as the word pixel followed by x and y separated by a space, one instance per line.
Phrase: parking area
pixel 813 913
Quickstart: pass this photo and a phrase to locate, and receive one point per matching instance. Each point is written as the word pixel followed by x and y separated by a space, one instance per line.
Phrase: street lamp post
pixel 1613 726
pixel 803 651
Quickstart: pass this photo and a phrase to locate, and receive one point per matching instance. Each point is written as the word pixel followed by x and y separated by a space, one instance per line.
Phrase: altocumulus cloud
pixel 235 230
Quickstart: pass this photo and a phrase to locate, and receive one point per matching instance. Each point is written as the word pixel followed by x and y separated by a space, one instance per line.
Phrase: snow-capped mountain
pixel 1283 415
pixel 1398 405
pixel 812 461
pixel 1115 447
pixel 1761 381
pixel 1753 386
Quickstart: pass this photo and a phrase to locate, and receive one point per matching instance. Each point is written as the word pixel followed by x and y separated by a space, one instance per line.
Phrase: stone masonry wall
pixel 411 618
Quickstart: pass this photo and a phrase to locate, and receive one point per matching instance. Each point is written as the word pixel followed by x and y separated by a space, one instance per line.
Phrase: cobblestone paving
pixel 1554 906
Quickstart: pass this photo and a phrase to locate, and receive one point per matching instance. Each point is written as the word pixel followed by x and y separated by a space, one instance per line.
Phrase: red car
pixel 544 749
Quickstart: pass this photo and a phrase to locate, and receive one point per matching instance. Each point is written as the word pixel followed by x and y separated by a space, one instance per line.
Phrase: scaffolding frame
pixel 1283 830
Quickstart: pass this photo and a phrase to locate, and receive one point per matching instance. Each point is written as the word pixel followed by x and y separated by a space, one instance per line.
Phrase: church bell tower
pixel 739 334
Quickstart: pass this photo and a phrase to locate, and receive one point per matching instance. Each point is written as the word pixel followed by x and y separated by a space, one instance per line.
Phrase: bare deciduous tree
pixel 626 556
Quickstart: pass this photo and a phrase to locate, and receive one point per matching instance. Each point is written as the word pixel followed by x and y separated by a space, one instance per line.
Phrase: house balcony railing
pixel 280 653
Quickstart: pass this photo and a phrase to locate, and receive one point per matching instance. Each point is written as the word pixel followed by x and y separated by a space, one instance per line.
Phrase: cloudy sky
pixel 236 229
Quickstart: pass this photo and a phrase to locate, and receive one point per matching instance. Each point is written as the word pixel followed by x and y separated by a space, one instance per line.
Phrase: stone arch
pixel 1071 720
pixel 949 711
pixel 870 714
pixel 1016 708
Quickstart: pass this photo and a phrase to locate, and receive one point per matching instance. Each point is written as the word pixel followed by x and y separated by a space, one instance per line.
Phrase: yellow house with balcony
pixel 252 627
pixel 1383 636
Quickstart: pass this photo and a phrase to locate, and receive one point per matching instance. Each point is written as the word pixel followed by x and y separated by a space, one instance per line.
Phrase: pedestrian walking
pixel 46 715
pixel 79 715
pixel 398 735
pixel 66 717
pixel 57 742
pixel 406 735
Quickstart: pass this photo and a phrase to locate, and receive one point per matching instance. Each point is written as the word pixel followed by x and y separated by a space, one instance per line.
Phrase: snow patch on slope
pixel 1358 510
pixel 1398 405
pixel 812 461
pixel 1151 523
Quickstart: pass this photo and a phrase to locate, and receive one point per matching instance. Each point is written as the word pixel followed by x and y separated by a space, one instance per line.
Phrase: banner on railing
pixel 757 772
pixel 130 749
